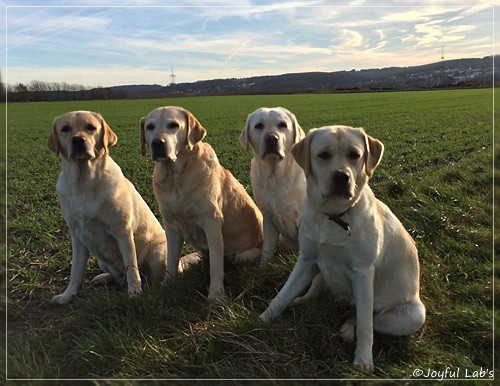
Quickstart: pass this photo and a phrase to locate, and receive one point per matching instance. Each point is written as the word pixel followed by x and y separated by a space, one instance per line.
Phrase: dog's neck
pixel 174 169
pixel 83 171
pixel 338 209
pixel 271 165
pixel 337 218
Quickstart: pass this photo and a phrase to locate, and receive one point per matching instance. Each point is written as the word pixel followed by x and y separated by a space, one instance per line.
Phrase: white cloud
pixel 379 46
pixel 472 10
pixel 428 33
pixel 395 15
pixel 461 28
pixel 351 38
pixel 38 25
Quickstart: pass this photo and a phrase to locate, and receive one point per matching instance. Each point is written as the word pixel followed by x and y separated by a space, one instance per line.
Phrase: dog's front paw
pixel 266 316
pixel 134 290
pixel 216 295
pixel 347 332
pixel 61 299
pixel 264 259
pixel 364 363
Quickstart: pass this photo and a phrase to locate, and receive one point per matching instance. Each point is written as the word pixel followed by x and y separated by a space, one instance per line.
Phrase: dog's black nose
pixel 340 179
pixel 158 149
pixel 77 140
pixel 272 139
pixel 78 147
pixel 158 142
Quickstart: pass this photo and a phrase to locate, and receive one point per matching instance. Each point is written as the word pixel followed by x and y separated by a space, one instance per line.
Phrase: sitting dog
pixel 104 213
pixel 362 250
pixel 278 182
pixel 200 201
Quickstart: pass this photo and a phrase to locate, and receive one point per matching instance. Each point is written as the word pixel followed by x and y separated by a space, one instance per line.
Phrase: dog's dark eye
pixel 150 127
pixel 172 125
pixel 324 155
pixel 90 127
pixel 282 125
pixel 354 155
pixel 66 129
pixel 259 126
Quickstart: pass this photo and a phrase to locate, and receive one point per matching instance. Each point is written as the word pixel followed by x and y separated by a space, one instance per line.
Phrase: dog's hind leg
pixel 317 287
pixel 188 260
pixel 250 255
pixel 109 276
pixel 157 263
pixel 403 319
pixel 348 329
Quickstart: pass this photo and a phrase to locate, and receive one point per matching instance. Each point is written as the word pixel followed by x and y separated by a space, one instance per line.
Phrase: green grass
pixel 436 176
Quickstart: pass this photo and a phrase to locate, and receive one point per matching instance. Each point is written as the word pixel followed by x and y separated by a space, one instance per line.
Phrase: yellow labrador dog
pixel 278 182
pixel 200 201
pixel 104 213
pixel 354 240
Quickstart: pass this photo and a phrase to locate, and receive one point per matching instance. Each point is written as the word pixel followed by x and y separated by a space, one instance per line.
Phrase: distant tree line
pixel 459 73
pixel 36 91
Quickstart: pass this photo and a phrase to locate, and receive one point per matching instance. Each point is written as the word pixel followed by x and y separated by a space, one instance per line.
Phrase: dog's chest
pixel 332 247
pixel 96 237
pixel 284 212
pixel 79 206
pixel 335 266
pixel 319 230
pixel 188 227
pixel 282 200
pixel 181 214
pixel 277 195
pixel 82 218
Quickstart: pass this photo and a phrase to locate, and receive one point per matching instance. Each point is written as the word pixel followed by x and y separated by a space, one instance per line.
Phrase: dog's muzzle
pixel 340 183
pixel 79 148
pixel 271 146
pixel 158 149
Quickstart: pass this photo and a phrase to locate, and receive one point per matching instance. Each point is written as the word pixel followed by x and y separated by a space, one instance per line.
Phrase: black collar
pixel 337 219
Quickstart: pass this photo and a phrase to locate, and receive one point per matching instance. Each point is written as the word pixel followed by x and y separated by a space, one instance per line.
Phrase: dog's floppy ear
pixel 298 133
pixel 196 132
pixel 53 143
pixel 143 136
pixel 301 152
pixel 373 155
pixel 245 134
pixel 109 138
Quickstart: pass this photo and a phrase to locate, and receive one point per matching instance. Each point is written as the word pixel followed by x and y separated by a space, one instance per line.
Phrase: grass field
pixel 436 175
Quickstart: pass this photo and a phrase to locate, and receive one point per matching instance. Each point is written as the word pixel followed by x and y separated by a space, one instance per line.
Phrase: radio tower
pixel 442 59
pixel 172 76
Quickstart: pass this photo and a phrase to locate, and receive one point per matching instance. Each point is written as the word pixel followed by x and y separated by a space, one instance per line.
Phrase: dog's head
pixel 271 132
pixel 81 135
pixel 338 160
pixel 169 131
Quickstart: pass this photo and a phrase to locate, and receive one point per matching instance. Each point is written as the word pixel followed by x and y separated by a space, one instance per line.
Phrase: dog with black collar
pixel 361 248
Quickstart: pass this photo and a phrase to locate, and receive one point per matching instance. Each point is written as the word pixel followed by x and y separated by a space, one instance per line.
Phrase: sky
pixel 139 42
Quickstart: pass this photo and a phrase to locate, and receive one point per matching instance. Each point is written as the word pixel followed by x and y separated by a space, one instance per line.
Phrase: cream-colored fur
pixel 278 182
pixel 375 266
pixel 201 202
pixel 105 215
